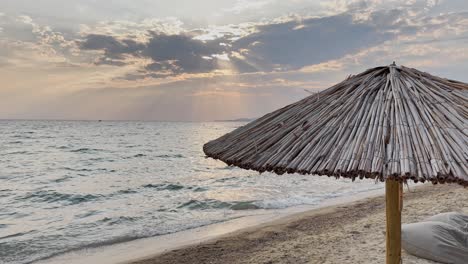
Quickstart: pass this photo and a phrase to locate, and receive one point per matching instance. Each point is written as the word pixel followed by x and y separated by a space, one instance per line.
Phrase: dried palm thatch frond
pixel 385 123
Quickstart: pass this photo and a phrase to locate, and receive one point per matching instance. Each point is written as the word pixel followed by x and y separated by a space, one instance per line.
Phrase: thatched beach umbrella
pixel 388 123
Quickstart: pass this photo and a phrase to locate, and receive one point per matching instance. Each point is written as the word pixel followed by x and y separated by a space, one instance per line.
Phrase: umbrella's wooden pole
pixel 393 208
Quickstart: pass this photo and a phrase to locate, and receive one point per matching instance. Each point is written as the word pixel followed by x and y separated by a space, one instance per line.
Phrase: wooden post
pixel 393 209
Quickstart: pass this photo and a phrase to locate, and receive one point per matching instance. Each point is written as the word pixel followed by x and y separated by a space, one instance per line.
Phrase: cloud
pixel 170 54
pixel 168 68
pixel 274 46
pixel 164 48
pixel 24 42
pixel 110 44
pixel 186 54
pixel 283 44
pixel 294 44
pixel 115 51
pixel 242 5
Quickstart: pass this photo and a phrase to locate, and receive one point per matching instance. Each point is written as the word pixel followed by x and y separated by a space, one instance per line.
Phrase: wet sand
pixel 347 233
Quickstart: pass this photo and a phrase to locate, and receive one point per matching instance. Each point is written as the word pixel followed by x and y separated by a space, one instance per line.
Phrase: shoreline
pixel 353 232
pixel 333 233
pixel 143 248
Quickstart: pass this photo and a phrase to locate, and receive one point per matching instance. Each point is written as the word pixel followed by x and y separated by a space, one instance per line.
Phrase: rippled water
pixel 67 185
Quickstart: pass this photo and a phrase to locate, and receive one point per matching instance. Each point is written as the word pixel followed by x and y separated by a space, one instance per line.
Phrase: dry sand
pixel 349 233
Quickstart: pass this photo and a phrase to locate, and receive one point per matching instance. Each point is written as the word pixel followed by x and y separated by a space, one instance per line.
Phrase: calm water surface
pixel 67 185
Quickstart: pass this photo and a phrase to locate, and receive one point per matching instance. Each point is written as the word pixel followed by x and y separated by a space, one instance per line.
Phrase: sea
pixel 70 185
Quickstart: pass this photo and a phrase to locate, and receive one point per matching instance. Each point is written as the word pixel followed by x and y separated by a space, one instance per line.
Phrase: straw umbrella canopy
pixel 389 123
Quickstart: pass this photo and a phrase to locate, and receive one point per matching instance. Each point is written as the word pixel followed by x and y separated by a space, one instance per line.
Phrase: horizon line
pixel 128 120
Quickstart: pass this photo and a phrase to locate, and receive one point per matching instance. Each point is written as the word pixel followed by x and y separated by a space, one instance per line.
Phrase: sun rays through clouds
pixel 210 60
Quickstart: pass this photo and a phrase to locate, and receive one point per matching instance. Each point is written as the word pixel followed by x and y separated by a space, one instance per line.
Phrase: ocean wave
pixel 159 187
pixel 73 169
pixel 127 191
pixel 18 153
pixel 61 147
pixel 85 150
pixel 86 214
pixel 5 193
pixel 14 215
pixel 44 137
pixel 88 170
pixel 118 220
pixel 16 234
pixel 139 155
pixel 163 186
pixel 21 136
pixel 170 156
pixel 53 197
pixel 199 189
pixel 227 179
pixel 216 204
pixel 53 253
pixel 62 179
pixel 122 238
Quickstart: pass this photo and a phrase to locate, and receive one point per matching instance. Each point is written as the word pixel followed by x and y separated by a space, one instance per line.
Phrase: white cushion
pixel 454 219
pixel 436 241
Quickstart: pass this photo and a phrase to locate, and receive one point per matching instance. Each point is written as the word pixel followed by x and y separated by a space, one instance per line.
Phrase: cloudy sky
pixel 185 60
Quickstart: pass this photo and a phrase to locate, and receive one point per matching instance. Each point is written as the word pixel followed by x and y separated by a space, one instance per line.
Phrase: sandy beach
pixel 346 233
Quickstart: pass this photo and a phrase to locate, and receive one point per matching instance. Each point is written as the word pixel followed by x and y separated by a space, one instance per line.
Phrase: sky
pixel 185 60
